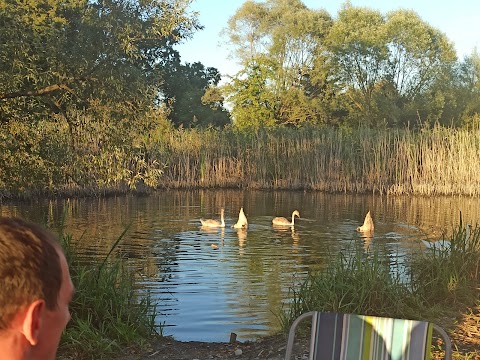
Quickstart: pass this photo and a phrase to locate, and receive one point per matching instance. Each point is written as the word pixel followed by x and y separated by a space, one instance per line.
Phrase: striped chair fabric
pixel 336 336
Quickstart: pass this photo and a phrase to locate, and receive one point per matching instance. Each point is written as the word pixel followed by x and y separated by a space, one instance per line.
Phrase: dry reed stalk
pixel 427 162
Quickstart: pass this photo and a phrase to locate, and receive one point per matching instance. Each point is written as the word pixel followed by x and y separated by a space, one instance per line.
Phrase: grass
pixel 440 285
pixel 354 283
pixel 108 313
pixel 452 274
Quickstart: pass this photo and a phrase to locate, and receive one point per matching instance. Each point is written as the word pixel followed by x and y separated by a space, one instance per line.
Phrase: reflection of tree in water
pixel 295 236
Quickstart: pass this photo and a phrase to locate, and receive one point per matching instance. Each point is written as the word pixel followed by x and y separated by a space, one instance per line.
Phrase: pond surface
pixel 209 283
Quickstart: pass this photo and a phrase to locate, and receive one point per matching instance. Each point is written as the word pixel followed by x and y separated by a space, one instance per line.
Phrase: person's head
pixel 35 291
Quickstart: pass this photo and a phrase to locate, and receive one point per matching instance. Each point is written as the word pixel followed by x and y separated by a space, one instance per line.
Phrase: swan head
pixel 296 213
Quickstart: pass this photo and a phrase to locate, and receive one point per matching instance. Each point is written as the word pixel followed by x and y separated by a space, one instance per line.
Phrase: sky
pixel 459 20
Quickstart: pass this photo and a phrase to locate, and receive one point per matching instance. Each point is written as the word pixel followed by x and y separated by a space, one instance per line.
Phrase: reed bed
pixel 429 161
pixel 436 161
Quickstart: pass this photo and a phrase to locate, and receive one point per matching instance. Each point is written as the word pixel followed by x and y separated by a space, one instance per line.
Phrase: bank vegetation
pixel 428 161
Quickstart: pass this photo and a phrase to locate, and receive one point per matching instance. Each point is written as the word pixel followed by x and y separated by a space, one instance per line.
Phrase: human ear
pixel 32 322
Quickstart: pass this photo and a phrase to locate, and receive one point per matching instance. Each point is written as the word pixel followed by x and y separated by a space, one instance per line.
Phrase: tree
pixel 253 102
pixel 358 49
pixel 64 54
pixel 389 65
pixel 246 30
pixel 464 84
pixel 288 36
pixel 192 94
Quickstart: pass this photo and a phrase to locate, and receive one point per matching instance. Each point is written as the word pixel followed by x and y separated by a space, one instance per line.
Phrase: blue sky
pixel 458 20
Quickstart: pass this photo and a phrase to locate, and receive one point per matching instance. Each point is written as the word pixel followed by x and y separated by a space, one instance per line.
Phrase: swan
pixel 443 245
pixel 211 223
pixel 242 222
pixel 446 245
pixel 367 226
pixel 284 222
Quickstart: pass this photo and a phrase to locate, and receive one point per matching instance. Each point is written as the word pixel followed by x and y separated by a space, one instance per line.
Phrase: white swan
pixel 211 223
pixel 284 222
pixel 442 245
pixel 445 245
pixel 242 222
pixel 367 226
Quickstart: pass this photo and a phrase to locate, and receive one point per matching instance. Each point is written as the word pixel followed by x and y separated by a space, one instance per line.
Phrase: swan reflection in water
pixel 290 229
pixel 367 240
pixel 242 240
pixel 214 231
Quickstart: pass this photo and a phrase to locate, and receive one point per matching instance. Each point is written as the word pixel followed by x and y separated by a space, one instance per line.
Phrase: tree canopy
pixel 61 54
pixel 300 66
pixel 362 67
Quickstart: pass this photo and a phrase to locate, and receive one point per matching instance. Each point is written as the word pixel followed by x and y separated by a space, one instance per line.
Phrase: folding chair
pixel 336 336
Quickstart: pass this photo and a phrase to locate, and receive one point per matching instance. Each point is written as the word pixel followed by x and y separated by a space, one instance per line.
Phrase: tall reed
pixel 385 161
pixel 428 161
pixel 108 311
pixel 356 283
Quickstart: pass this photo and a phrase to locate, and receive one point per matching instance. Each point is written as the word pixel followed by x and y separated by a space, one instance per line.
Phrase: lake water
pixel 237 285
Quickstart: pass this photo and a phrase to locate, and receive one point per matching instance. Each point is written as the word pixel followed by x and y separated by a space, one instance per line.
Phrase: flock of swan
pixel 367 228
pixel 242 223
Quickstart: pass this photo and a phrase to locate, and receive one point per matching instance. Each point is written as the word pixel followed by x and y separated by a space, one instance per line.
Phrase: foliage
pixel 388 63
pixel 59 55
pixel 362 68
pixel 194 98
pixel 253 102
pixel 300 67
pixel 39 159
pixel 285 38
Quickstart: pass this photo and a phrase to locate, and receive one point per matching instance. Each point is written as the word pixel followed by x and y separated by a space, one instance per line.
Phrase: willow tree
pixel 79 90
pixel 58 55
